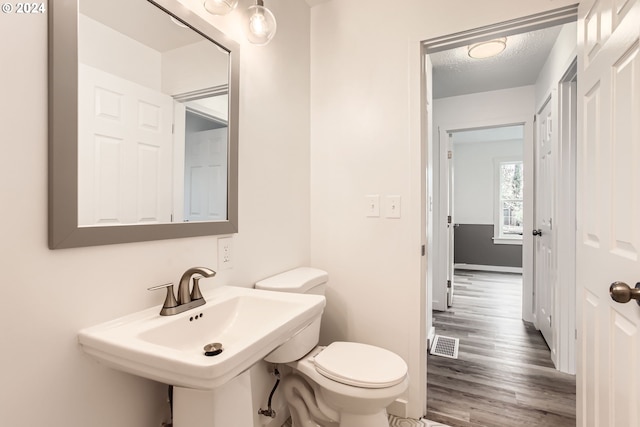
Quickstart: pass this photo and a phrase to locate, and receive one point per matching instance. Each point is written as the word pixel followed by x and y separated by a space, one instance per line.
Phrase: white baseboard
pixel 496 268
pixel 398 408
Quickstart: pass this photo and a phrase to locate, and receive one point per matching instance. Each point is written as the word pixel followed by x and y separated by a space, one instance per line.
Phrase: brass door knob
pixel 622 293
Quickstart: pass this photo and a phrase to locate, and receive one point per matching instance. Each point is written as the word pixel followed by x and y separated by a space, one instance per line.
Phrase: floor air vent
pixel 445 347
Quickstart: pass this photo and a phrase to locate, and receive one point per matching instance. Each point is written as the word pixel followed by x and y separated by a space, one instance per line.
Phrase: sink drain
pixel 213 349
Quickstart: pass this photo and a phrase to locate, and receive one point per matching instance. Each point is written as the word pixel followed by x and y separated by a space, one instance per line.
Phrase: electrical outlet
pixel 225 253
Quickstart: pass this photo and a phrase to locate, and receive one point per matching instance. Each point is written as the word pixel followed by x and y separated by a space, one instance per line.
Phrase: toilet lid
pixel 360 365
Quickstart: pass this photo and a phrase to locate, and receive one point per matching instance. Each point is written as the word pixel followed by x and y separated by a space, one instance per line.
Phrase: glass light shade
pixel 261 25
pixel 487 49
pixel 220 7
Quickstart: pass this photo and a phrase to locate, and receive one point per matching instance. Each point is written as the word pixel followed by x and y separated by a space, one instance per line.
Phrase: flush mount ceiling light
pixel 488 48
pixel 178 23
pixel 220 7
pixel 261 25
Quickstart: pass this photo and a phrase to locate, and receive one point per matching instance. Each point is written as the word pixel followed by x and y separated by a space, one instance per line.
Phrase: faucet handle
pixel 195 291
pixel 169 300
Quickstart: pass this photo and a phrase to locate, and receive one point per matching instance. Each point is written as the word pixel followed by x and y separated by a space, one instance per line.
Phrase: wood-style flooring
pixel 504 376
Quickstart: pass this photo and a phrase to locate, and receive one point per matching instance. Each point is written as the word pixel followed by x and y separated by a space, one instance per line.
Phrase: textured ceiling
pixel 455 73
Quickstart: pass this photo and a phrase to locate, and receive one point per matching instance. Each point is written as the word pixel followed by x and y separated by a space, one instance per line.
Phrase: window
pixel 510 180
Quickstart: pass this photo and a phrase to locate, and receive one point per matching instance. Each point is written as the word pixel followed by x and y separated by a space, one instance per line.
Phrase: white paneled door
pixel 608 234
pixel 124 151
pixel 544 283
pixel 206 175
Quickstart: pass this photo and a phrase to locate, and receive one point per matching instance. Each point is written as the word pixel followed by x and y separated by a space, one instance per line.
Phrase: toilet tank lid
pixel 298 280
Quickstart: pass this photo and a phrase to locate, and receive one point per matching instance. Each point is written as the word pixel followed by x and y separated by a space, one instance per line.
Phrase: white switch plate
pixel 372 206
pixel 225 253
pixel 392 206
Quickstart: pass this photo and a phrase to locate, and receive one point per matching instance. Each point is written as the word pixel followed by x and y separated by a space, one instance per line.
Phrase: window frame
pixel 498 237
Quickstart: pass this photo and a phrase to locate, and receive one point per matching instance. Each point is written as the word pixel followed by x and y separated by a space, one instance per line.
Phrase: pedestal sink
pixel 248 323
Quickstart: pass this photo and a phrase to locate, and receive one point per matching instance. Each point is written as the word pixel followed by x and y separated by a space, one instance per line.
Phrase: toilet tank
pixel 302 280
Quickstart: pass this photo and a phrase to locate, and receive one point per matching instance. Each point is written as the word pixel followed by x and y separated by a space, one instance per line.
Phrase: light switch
pixel 372 206
pixel 392 207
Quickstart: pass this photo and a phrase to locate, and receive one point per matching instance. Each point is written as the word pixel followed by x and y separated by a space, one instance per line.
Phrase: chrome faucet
pixel 186 299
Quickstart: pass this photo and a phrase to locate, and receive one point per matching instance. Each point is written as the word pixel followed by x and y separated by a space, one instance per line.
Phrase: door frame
pixel 423 169
pixel 432 152
pixel 439 181
pixel 565 217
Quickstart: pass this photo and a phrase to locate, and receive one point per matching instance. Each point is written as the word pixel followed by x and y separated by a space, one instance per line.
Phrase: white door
pixel 608 200
pixel 206 175
pixel 544 195
pixel 124 151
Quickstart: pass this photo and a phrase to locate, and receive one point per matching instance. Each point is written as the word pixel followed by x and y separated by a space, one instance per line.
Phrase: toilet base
pixel 309 409
pixel 379 419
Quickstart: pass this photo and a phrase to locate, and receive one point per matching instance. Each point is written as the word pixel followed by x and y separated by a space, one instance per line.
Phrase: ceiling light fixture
pixel 220 7
pixel 488 48
pixel 178 23
pixel 261 25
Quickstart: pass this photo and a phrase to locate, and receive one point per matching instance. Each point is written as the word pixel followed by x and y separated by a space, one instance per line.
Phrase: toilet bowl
pixel 344 384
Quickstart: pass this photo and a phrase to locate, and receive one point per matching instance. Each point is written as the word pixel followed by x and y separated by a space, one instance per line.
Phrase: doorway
pixel 498 107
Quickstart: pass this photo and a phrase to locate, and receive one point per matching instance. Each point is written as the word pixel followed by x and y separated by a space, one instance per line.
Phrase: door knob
pixel 537 232
pixel 622 293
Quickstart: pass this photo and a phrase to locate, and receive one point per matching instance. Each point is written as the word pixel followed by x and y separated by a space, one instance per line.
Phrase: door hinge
pixel 550 316
pixel 448 219
pixel 173 128
pixel 449 154
pixel 576 331
pixel 449 284
pixel 424 250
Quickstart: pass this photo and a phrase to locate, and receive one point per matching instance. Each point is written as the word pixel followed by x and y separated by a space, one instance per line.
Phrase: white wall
pixel 366 139
pixel 194 67
pixel 108 50
pixel 563 53
pixel 474 178
pixel 49 295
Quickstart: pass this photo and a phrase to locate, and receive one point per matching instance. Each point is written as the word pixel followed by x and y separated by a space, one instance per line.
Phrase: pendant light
pixel 220 7
pixel 261 25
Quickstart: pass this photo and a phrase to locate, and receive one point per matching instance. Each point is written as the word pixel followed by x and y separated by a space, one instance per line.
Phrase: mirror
pixel 143 124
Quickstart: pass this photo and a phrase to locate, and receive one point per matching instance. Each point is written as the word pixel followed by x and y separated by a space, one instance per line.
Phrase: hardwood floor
pixel 504 376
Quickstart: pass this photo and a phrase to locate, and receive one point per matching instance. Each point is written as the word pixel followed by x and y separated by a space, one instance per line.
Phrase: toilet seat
pixel 360 365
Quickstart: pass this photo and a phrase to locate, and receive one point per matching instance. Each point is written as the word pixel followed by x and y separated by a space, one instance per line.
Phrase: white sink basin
pixel 249 323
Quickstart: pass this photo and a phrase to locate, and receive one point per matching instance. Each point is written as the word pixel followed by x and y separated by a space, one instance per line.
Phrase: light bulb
pixel 261 26
pixel 258 24
pixel 220 7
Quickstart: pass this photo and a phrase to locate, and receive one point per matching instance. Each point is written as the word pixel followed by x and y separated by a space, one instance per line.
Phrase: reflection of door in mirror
pixel 205 169
pixel 139 84
pixel 124 151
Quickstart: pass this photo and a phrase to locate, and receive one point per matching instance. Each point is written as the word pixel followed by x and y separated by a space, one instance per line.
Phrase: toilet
pixel 344 384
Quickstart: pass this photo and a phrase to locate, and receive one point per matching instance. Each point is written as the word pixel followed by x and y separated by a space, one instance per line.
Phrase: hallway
pixel 503 376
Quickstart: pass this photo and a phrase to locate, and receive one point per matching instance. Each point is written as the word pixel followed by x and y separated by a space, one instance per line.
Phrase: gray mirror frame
pixel 63 138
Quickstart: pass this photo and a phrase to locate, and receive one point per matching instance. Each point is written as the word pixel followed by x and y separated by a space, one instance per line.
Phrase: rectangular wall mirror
pixel 143 123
